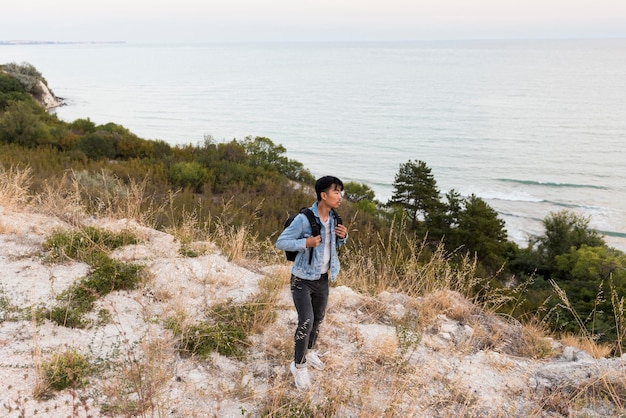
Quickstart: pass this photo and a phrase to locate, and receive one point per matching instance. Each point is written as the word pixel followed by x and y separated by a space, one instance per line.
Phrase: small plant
pixel 68 369
pixel 187 250
pixel 5 306
pixel 408 337
pixel 226 329
pixel 136 384
pixel 86 244
pixel 107 276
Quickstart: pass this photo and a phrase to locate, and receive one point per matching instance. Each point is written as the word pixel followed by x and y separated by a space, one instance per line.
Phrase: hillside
pixel 460 361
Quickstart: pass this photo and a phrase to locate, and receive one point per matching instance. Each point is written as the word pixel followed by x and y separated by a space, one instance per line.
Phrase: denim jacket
pixel 293 238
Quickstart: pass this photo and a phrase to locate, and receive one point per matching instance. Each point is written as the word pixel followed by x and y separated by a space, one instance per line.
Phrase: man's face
pixel 333 196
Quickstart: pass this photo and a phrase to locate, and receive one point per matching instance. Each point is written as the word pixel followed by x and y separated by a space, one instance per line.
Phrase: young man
pixel 310 276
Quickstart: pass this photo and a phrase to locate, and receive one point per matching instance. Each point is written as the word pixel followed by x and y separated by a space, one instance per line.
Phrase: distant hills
pixel 27 42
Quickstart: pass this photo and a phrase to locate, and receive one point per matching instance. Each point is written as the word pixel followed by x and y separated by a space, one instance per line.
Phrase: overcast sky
pixel 308 20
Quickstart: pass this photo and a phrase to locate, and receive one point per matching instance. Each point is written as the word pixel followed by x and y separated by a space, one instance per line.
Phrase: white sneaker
pixel 301 376
pixel 313 359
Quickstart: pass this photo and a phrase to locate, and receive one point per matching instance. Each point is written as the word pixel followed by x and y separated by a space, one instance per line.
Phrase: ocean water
pixel 532 127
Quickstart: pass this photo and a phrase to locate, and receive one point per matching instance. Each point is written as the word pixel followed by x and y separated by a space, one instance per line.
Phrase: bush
pixel 227 328
pixel 189 175
pixel 107 276
pixel 27 75
pixel 10 84
pixel 68 369
pixel 10 90
pixel 21 123
pixel 86 244
pixel 98 145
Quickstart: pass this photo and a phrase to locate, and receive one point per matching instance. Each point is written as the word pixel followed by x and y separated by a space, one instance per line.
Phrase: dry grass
pixel 597 350
pixel 534 342
pixel 15 183
pixel 135 383
pixel 445 302
pixel 415 270
pixel 385 349
pixel 6 229
pixel 587 340
pixel 61 198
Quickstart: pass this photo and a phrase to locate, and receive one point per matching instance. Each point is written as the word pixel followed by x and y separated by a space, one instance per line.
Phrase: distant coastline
pixel 26 42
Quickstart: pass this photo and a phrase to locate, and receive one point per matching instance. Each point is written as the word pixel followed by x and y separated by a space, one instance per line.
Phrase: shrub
pixel 189 175
pixel 98 145
pixel 77 300
pixel 86 244
pixel 27 75
pixel 68 369
pixel 21 123
pixel 10 84
pixel 226 329
pixel 83 126
pixel 10 90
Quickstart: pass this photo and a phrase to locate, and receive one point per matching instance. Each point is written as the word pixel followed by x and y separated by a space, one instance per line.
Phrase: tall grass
pixel 14 186
pixel 402 263
pixel 586 339
pixel 135 383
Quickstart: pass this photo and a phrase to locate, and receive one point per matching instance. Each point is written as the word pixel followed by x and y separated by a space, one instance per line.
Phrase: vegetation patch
pixel 68 369
pixel 135 384
pixel 6 308
pixel 226 329
pixel 286 406
pixel 107 276
pixel 86 244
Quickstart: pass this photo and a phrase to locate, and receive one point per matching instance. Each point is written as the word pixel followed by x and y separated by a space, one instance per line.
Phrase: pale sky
pixel 308 20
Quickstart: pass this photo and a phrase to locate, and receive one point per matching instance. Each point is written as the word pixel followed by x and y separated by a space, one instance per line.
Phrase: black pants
pixel 310 298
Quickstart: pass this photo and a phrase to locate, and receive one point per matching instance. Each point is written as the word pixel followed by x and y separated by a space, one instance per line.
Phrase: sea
pixel 532 127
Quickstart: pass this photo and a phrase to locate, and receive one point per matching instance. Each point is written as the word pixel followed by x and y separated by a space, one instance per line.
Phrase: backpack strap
pixel 338 220
pixel 315 227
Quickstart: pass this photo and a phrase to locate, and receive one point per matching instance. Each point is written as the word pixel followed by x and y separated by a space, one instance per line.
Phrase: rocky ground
pixel 452 367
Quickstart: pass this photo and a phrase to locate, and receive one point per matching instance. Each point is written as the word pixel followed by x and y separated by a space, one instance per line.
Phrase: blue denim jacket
pixel 293 238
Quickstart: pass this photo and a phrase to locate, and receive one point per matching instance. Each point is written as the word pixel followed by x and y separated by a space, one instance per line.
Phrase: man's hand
pixel 341 231
pixel 313 241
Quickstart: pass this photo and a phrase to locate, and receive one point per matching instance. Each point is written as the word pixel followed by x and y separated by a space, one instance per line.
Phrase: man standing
pixel 310 276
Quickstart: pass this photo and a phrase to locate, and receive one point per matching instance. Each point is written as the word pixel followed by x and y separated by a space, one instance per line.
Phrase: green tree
pixel 415 190
pixel 589 275
pixel 265 154
pixel 482 232
pixel 564 230
pixel 444 221
pixel 358 191
pixel 362 195
pixel 592 264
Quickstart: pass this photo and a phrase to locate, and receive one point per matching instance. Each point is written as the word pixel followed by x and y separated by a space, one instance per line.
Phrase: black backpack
pixel 315 227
